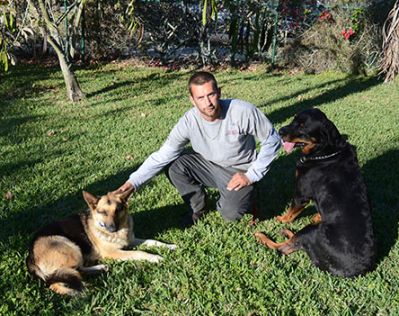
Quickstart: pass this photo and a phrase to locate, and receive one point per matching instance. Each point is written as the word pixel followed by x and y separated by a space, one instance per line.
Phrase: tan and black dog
pixel 62 250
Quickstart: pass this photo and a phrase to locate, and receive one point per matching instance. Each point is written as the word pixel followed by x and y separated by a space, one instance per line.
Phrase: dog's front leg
pixel 296 207
pixel 286 247
pixel 94 269
pixel 132 255
pixel 152 243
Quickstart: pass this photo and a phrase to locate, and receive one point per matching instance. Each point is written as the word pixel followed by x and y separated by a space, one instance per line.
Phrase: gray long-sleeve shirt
pixel 228 142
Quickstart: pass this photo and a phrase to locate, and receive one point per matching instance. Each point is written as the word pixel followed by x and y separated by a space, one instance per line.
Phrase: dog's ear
pixel 126 195
pixel 329 133
pixel 90 199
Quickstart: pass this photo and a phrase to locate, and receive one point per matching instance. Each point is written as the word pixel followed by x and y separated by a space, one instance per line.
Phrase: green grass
pixel 52 149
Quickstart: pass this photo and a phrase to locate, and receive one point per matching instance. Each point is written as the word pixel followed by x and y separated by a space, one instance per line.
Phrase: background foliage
pixel 216 32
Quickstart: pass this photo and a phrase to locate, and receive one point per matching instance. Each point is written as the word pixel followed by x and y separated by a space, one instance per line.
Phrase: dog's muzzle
pixel 111 228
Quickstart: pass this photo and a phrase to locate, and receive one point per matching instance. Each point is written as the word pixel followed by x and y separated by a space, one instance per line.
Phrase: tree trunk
pixel 53 37
pixel 73 89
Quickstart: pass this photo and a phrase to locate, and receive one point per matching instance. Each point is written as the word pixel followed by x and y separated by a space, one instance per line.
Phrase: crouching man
pixel 223 134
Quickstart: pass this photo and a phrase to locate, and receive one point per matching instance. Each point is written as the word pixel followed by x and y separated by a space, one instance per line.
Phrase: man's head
pixel 205 94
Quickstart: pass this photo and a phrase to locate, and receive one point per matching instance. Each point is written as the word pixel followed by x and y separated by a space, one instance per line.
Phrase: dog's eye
pixel 102 212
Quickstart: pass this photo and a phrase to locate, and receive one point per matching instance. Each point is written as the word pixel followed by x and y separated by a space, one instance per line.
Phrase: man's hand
pixel 238 181
pixel 123 188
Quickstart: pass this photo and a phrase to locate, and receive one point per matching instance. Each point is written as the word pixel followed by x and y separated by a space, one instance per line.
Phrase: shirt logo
pixel 232 132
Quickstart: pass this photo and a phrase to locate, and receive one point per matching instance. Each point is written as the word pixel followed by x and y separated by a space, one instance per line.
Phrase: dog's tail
pixel 64 281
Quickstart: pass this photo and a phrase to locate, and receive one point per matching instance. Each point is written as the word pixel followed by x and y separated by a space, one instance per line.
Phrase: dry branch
pixel 390 46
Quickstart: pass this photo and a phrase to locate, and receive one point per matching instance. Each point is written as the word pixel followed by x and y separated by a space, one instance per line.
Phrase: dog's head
pixel 108 211
pixel 312 131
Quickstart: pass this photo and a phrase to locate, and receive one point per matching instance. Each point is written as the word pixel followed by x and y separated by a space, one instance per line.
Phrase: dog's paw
pixel 154 258
pixel 171 246
pixel 279 218
pixel 283 219
pixel 316 218
pixel 260 238
pixel 287 233
pixel 103 268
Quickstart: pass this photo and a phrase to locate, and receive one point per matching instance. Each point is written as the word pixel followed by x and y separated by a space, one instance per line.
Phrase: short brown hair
pixel 201 77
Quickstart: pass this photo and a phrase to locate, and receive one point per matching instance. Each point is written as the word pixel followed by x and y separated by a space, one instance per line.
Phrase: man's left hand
pixel 238 181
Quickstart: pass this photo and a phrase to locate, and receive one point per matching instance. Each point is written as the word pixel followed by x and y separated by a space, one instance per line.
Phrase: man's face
pixel 206 99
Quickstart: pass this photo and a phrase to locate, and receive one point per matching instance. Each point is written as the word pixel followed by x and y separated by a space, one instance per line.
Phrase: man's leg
pixel 190 173
pixel 232 205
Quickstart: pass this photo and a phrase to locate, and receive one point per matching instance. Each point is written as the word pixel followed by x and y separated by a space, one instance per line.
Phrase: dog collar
pixel 303 159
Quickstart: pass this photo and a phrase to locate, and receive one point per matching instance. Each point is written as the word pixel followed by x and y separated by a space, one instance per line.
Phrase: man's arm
pixel 260 167
pixel 256 123
pixel 154 164
pixel 268 151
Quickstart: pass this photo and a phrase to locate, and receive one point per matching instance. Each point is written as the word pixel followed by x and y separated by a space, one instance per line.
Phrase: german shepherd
pixel 62 250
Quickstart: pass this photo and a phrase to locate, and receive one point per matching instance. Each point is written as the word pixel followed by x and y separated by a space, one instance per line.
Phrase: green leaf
pixel 214 9
pixel 204 12
pixel 12 22
pixel 4 60
pixel 13 60
pixel 5 20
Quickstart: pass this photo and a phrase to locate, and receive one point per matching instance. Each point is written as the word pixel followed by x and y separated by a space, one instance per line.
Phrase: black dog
pixel 341 239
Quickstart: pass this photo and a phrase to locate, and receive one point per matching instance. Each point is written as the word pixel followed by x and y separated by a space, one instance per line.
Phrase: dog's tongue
pixel 288 147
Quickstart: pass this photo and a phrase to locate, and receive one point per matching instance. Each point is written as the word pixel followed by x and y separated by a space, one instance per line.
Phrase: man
pixel 222 134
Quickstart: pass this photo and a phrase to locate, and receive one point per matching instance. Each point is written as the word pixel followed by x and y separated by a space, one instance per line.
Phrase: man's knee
pixel 177 168
pixel 231 216
pixel 232 211
pixel 233 207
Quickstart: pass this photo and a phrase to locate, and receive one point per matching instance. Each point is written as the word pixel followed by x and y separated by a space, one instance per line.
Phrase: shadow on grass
pixel 148 223
pixel 353 86
pixel 158 78
pixel 274 192
pixel 9 168
pixel 303 91
pixel 19 82
pixel 9 125
pixel 155 102
pixel 381 176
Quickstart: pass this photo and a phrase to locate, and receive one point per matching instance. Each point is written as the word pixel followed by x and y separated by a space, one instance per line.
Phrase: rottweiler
pixel 340 240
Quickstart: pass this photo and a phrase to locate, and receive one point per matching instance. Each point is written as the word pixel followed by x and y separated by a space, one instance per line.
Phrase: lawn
pixel 52 149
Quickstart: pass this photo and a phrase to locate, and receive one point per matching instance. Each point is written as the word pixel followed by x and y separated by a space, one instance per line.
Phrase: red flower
pixel 347 34
pixel 326 16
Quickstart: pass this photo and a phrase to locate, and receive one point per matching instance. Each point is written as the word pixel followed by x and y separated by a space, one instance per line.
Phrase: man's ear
pixel 192 100
pixel 219 92
pixel 126 195
pixel 90 199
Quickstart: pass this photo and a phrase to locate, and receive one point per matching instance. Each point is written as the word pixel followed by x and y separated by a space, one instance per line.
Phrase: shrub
pixel 342 39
